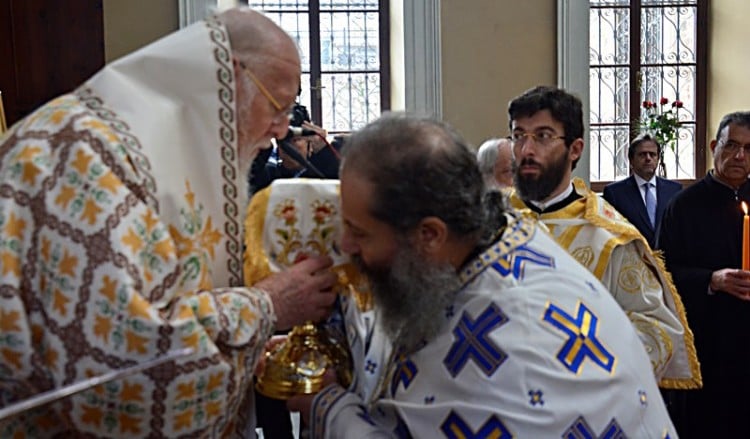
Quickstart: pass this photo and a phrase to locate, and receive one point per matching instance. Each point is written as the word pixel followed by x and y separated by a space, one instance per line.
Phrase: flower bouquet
pixel 662 121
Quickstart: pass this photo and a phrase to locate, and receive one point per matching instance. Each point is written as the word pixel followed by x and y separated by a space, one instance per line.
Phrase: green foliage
pixel 661 121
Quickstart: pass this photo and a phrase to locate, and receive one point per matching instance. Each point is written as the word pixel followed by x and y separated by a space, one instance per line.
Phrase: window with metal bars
pixel 646 50
pixel 345 57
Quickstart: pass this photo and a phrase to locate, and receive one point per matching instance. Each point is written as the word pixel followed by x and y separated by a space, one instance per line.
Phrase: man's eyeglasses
pixel 541 138
pixel 281 111
pixel 731 147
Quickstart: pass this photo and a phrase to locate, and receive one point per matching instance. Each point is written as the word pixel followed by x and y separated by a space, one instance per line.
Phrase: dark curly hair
pixel 563 106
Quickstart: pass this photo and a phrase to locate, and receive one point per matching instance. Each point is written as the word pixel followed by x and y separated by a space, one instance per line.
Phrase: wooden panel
pixel 55 46
pixel 7 71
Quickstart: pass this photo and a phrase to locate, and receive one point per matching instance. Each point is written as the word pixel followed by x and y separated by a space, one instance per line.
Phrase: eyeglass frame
pixel 519 139
pixel 281 111
pixel 732 147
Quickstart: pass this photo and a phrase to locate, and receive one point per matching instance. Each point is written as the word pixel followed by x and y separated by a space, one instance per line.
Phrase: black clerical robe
pixel 701 232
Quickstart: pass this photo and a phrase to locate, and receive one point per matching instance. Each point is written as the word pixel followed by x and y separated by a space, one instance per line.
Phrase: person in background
pixel 120 224
pixel 467 340
pixel 315 158
pixel 312 156
pixel 643 196
pixel 495 158
pixel 547 132
pixel 701 237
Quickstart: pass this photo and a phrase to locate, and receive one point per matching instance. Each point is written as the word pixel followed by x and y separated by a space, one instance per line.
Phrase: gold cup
pixel 297 366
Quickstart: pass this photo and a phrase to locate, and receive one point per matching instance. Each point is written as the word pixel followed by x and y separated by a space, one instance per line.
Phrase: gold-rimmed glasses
pixel 282 112
pixel 541 138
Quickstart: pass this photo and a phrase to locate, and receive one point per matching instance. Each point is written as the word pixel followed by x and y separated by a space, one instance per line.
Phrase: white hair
pixel 486 159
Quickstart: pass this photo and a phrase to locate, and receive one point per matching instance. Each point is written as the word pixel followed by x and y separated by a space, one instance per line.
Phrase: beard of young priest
pixel 539 187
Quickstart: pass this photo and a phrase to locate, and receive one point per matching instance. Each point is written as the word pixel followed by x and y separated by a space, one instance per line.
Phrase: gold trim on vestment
pixel 602 215
pixel 256 266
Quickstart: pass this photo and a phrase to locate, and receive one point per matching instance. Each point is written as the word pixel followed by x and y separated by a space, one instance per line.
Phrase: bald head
pixel 267 73
pixel 253 37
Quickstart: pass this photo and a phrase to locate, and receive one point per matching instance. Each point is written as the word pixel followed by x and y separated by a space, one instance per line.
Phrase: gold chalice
pixel 298 365
pixel 286 222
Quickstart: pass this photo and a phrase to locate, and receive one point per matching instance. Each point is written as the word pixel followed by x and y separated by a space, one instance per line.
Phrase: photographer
pixel 304 152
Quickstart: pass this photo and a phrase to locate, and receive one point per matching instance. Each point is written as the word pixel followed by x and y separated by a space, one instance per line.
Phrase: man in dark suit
pixel 642 197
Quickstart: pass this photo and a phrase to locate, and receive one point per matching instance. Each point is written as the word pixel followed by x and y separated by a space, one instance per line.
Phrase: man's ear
pixel 576 149
pixel 431 235
pixel 712 146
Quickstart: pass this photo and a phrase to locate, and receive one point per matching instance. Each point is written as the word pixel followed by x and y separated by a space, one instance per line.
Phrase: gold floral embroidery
pixel 81 162
pixel 11 264
pixel 118 406
pixel 103 129
pixel 66 194
pixel 15 226
pixel 90 211
pixel 86 187
pixel 150 243
pixel 289 237
pixel 110 182
pixel 9 323
pixel 195 241
pixel 43 347
pixel 319 241
pixel 132 240
pixel 27 165
pixel 120 315
pixel 28 153
pixel 54 112
pixel 199 402
pixel 58 266
pixel 322 236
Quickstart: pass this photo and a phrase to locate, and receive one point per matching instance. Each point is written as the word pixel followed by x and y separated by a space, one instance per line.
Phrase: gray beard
pixel 411 297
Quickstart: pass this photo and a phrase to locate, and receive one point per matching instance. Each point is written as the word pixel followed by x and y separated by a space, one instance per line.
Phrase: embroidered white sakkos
pixel 534 346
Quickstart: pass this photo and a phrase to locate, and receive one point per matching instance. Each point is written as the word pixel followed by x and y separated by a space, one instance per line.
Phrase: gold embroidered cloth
pixel 611 248
pixel 292 219
pixel 120 241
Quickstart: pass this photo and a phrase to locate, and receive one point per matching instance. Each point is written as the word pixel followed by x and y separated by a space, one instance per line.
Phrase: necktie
pixel 650 203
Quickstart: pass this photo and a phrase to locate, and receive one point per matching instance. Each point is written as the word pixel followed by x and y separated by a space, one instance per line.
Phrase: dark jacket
pixel 625 196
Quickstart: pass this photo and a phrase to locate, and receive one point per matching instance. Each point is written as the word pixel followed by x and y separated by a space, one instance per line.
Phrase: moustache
pixel 529 161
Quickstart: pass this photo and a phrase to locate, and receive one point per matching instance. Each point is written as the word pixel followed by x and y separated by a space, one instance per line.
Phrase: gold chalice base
pixel 298 365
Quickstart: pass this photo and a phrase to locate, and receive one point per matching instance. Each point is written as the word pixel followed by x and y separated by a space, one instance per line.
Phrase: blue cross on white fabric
pixel 473 342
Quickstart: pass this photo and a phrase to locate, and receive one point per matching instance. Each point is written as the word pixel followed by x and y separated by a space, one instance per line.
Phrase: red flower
pixel 663 123
pixel 321 213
